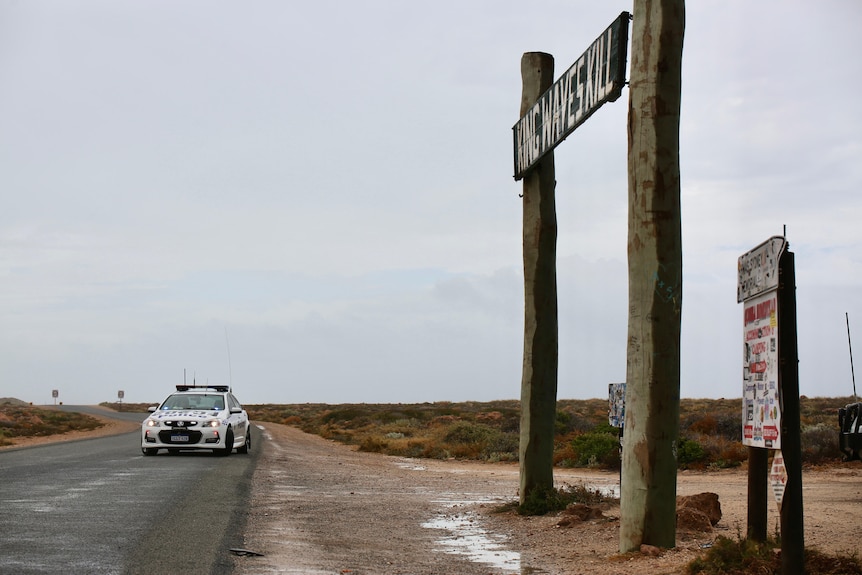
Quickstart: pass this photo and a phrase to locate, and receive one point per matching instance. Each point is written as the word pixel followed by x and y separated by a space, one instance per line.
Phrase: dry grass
pixel 710 430
pixel 27 421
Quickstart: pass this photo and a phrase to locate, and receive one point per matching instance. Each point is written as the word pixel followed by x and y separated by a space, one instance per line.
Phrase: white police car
pixel 197 417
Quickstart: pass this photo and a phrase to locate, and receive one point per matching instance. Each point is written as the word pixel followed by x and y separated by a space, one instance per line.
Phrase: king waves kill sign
pixel 595 78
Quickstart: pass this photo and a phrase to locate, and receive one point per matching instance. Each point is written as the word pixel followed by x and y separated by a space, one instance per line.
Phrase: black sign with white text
pixel 595 78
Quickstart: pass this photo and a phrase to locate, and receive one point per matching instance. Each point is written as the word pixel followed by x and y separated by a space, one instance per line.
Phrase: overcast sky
pixel 315 202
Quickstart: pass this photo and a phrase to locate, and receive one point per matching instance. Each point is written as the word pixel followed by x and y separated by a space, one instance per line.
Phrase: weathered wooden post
pixel 792 531
pixel 648 490
pixel 550 111
pixel 758 489
pixel 539 374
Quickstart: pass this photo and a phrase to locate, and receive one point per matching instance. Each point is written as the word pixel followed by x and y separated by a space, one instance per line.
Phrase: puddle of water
pixel 410 465
pixel 465 536
pixel 450 499
pixel 606 490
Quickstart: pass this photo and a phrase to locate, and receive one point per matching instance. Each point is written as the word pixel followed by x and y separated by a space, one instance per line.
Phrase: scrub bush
pixel 542 501
pixel 689 453
pixel 597 448
pixel 746 556
pixel 820 443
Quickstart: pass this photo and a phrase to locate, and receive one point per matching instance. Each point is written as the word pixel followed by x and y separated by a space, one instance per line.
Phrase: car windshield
pixel 203 401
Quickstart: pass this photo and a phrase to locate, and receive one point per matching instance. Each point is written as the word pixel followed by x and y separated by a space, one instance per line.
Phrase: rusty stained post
pixel 539 375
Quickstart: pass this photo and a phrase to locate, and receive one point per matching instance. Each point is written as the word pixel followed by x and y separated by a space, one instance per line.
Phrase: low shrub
pixel 690 454
pixel 373 445
pixel 564 453
pixel 730 453
pixel 502 446
pixel 543 501
pixel 597 448
pixel 479 441
pixel 712 424
pixel 350 417
pixel 464 432
pixel 820 443
pixel 728 557
pixel 567 422
pixel 26 421
pixel 745 556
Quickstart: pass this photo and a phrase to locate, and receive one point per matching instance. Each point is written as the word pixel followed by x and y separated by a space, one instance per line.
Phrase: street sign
pixel 617 404
pixel 596 77
pixel 757 288
pixel 758 268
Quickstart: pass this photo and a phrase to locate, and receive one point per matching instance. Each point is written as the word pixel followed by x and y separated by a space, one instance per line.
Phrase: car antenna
pixel 229 369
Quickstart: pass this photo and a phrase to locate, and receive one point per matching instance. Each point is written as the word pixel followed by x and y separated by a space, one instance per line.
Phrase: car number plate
pixel 179 438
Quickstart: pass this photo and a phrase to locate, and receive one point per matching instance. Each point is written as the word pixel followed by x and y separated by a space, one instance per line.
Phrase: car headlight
pixel 212 423
pixel 152 423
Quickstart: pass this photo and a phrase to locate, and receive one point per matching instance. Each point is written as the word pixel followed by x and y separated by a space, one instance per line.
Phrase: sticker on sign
pixel 778 477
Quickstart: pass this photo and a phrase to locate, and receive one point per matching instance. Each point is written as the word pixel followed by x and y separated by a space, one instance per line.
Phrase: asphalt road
pixel 98 506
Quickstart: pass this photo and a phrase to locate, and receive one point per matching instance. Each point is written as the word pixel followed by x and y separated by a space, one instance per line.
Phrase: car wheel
pixel 149 450
pixel 228 442
pixel 246 447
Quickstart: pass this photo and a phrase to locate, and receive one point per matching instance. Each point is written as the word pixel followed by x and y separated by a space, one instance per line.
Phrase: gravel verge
pixel 322 507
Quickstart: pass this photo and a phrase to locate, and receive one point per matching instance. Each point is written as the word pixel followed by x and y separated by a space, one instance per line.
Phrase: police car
pixel 197 417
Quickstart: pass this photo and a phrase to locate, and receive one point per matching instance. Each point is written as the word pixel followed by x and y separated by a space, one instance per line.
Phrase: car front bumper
pixel 183 438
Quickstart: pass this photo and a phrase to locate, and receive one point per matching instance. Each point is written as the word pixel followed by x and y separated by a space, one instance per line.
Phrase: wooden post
pixel 758 492
pixel 539 375
pixel 792 532
pixel 648 490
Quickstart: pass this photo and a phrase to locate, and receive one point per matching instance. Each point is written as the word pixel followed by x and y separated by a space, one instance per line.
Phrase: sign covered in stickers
pixel 617 404
pixel 761 413
pixel 758 289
